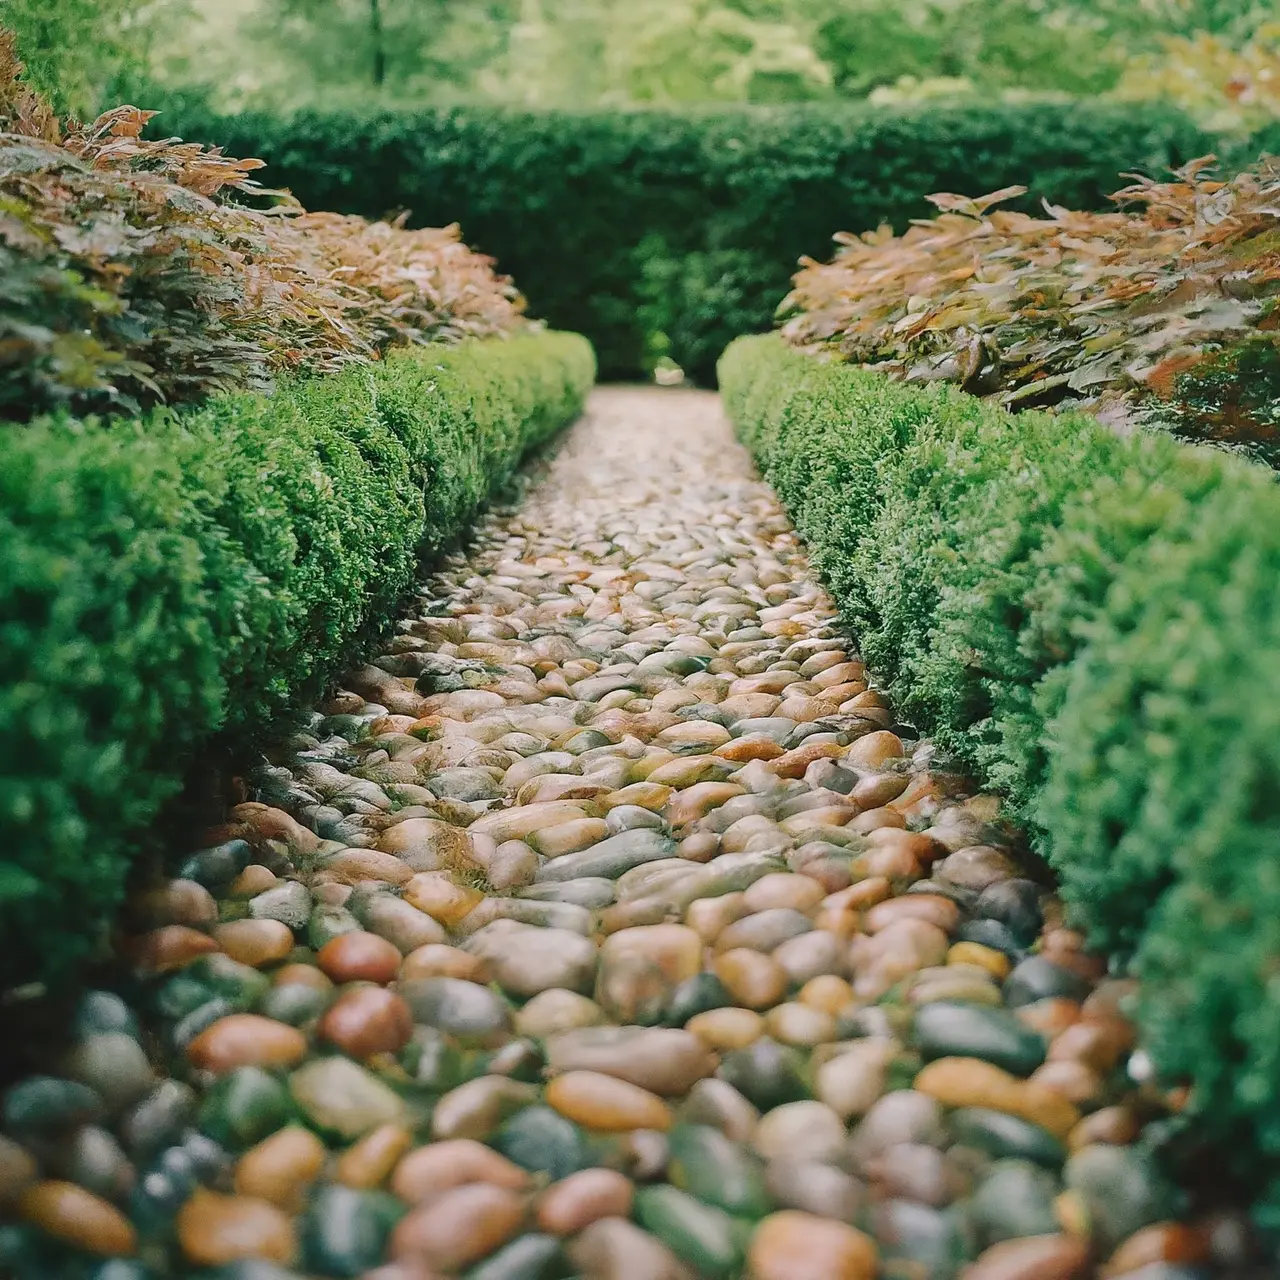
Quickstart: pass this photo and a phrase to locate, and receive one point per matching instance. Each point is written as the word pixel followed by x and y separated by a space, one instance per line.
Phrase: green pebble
pixel 294 1003
pixel 610 858
pixel 470 1013
pixel 433 1061
pixel 717 1171
pixel 328 923
pixel 208 977
pixel 1123 1190
pixel 245 1106
pixel 47 1105
pixel 121 1269
pixel 945 1028
pixel 1003 1136
pixel 345 1231
pixel 699 994
pixel 543 1141
pixel 928 1241
pixel 1015 1199
pixel 216 868
pixel 517 1060
pixel 103 1011
pixel 1037 978
pixel 766 1073
pixel 706 1238
pixel 531 1257
pixel 185 1030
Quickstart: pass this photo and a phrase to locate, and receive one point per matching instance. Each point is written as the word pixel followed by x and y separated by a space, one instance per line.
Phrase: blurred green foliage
pixel 581 53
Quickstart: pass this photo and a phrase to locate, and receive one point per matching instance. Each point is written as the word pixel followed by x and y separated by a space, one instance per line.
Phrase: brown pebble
pixel 793 763
pixel 172 947
pixel 255 942
pixel 350 866
pixel 616 1249
pixel 437 960
pixel 18 1171
pixel 896 864
pixel 369 1162
pixel 303 975
pixel 930 907
pixel 281 1167
pixel 924 848
pixel 432 1170
pixel 1057 1257
pixel 876 790
pixel 601 1102
pixel 440 897
pixel 215 1230
pixel 79 1218
pixel 245 1040
pixel 582 1198
pixel 1173 1242
pixel 1116 1126
pixel 459 1227
pixel 276 824
pixel 783 889
pixel 367 1020
pixel 1051 1016
pixel 728 1028
pixel 826 992
pixel 790 1245
pixel 253 880
pixel 970 1082
pixel 359 957
pixel 873 749
pixel 1098 1043
pixel 708 916
pixel 755 981
pixel 1073 1080
pixel 177 902
pixel 870 820
pixel 702 846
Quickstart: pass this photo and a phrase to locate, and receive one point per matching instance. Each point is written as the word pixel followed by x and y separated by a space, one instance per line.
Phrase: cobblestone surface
pixel 606 925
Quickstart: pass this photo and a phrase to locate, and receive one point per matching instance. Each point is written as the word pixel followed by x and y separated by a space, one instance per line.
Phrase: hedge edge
pixel 169 578
pixel 1091 623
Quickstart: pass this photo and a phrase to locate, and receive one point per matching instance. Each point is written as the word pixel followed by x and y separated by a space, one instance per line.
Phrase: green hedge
pixel 1093 624
pixel 662 233
pixel 166 578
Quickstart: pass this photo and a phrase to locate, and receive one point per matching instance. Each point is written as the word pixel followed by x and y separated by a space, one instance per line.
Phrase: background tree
pixel 77 51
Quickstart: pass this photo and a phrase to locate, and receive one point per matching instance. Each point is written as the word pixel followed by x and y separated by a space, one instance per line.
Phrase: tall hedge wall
pixel 627 226
pixel 1093 623
pixel 166 578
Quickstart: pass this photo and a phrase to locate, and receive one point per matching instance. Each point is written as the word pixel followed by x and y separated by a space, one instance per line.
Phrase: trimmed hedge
pixel 168 577
pixel 1092 623
pixel 654 232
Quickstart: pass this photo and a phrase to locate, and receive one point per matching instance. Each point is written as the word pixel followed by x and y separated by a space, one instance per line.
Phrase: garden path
pixel 609 921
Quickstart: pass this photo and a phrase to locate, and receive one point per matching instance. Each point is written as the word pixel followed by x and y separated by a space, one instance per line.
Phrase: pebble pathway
pixel 605 926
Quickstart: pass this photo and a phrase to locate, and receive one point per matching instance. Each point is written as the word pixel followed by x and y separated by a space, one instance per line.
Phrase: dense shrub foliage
pixel 1168 312
pixel 1093 623
pixel 134 271
pixel 657 233
pixel 183 573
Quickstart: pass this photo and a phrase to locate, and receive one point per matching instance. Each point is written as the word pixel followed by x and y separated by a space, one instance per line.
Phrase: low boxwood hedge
pixel 167 578
pixel 1092 623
